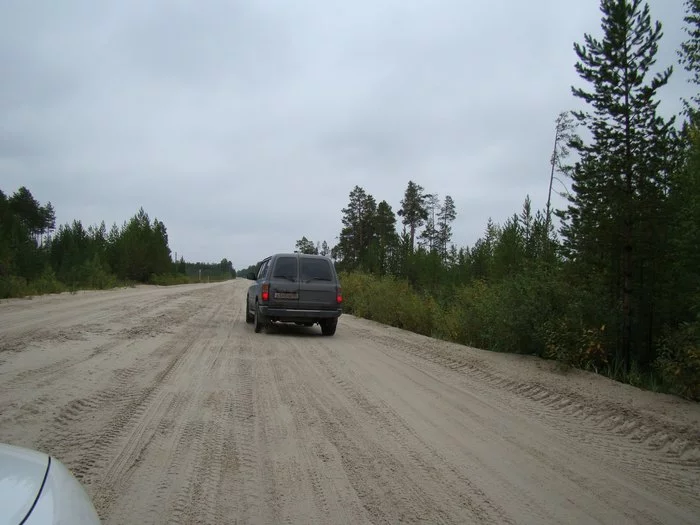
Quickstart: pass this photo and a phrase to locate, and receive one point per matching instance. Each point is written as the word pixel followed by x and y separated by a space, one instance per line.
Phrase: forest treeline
pixel 36 257
pixel 615 287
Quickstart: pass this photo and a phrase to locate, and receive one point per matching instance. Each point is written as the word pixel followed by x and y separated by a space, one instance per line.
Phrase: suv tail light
pixel 265 294
pixel 339 296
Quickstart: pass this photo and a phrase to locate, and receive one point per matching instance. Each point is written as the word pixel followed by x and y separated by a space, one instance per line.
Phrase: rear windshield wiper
pixel 318 279
pixel 289 278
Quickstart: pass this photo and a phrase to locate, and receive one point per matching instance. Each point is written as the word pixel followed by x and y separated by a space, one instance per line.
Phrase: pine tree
pixel 413 210
pixel 508 249
pixel 305 245
pixel 446 217
pixel 429 237
pixel 368 232
pixel 684 203
pixel 689 53
pixel 563 135
pixel 159 249
pixel 453 255
pixel 526 220
pixel 27 209
pixel 622 172
pixel 386 238
pixel 47 220
pixel 357 233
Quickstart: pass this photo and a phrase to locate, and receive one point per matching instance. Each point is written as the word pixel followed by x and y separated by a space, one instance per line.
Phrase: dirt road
pixel 170 409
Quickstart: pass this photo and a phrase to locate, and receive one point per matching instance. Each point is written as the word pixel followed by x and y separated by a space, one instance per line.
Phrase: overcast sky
pixel 244 125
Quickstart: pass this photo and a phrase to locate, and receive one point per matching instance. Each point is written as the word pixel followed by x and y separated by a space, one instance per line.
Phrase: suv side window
pixel 263 269
pixel 286 268
pixel 315 270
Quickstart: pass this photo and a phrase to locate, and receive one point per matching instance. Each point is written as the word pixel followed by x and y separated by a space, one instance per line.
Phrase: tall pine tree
pixel 358 229
pixel 429 235
pixel 413 210
pixel 620 179
pixel 446 216
pixel 386 238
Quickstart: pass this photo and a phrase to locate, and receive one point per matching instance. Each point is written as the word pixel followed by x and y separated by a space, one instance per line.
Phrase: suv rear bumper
pixel 294 315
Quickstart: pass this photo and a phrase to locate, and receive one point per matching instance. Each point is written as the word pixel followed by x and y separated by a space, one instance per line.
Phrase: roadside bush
pixel 466 317
pixel 356 292
pixel 447 324
pixel 415 312
pixel 506 316
pixel 47 283
pixel 576 331
pixel 578 346
pixel 169 279
pixel 389 301
pixel 13 286
pixel 93 274
pixel 521 305
pixel 679 360
pixel 384 300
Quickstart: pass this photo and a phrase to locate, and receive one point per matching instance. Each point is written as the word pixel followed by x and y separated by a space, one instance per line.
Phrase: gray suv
pixel 294 288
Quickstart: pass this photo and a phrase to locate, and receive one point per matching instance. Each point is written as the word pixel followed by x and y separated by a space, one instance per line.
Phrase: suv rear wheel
pixel 259 320
pixel 249 318
pixel 328 326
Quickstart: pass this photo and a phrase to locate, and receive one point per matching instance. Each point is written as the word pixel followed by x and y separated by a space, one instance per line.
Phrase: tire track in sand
pixel 396 452
pixel 141 418
pixel 644 448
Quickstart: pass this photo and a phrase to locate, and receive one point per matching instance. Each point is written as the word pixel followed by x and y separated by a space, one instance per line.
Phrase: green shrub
pixel 467 314
pixel 389 301
pixel 679 360
pixel 578 346
pixel 47 283
pixel 169 279
pixel 95 275
pixel 503 316
pixel 355 293
pixel 575 330
pixel 447 324
pixel 13 286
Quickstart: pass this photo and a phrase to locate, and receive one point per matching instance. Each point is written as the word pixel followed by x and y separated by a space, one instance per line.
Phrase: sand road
pixel 170 409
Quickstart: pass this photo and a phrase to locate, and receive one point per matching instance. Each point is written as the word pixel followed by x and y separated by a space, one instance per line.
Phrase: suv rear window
pixel 286 268
pixel 262 271
pixel 315 269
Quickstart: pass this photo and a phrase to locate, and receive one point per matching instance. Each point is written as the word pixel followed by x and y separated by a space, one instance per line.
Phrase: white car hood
pixel 22 473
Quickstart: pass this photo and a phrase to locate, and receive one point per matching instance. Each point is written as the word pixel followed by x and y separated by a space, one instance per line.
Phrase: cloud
pixel 245 125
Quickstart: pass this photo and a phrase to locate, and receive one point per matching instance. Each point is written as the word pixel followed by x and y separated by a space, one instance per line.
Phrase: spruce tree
pixel 622 171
